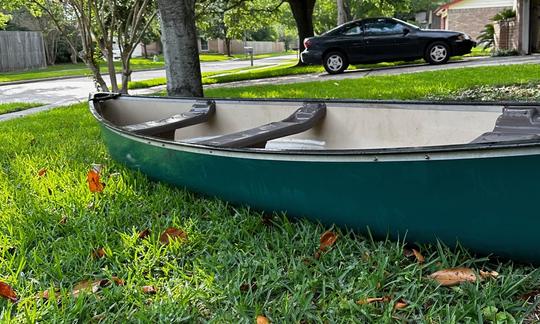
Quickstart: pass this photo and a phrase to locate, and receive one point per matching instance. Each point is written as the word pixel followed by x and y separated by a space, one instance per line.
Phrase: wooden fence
pixel 21 50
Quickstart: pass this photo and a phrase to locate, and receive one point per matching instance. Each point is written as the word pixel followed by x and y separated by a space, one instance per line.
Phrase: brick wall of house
pixel 472 21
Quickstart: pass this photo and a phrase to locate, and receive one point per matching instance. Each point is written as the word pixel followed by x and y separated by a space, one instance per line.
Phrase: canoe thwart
pixel 200 112
pixel 515 124
pixel 301 120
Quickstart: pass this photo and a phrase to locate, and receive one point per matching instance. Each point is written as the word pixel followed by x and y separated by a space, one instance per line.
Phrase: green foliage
pixel 4 19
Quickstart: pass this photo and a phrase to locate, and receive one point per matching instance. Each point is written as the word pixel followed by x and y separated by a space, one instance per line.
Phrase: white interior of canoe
pixel 345 126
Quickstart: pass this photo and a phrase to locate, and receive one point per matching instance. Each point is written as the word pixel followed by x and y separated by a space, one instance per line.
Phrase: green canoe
pixel 454 172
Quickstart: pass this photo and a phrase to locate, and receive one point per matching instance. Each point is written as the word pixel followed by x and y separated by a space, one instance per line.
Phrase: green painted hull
pixel 483 200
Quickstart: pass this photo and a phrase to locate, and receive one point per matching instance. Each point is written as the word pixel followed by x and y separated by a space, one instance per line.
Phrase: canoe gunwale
pixel 375 152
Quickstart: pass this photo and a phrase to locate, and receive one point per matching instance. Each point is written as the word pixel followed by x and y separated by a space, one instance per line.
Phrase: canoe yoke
pixel 200 112
pixel 303 119
pixel 515 124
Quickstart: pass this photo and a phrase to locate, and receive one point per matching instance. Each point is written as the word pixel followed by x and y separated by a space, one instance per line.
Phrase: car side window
pixel 383 27
pixel 352 30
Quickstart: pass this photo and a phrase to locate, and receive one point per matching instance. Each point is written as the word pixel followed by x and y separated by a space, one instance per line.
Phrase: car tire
pixel 437 53
pixel 335 62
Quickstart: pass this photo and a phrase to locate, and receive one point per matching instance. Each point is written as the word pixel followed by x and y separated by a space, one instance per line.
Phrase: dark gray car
pixel 382 40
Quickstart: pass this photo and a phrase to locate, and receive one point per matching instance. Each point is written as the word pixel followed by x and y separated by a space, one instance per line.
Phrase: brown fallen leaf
pixel 118 281
pixel 400 304
pixel 419 257
pixel 93 179
pixel 489 274
pixel 149 290
pixel 453 276
pixel 47 295
pixel 144 234
pixel 530 295
pixel 171 234
pixel 42 172
pixel 6 291
pixel 327 240
pixel 99 253
pixel 365 301
pixel 262 319
pixel 94 286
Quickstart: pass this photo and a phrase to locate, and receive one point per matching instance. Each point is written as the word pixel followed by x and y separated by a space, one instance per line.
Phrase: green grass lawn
pixel 234 265
pixel 80 69
pixel 16 106
pixel 62 70
pixel 406 86
pixel 207 78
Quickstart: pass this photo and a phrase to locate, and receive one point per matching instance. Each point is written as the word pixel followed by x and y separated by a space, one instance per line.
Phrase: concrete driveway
pixel 71 90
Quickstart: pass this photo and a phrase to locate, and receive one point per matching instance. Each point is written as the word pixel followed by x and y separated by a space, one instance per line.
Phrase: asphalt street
pixel 71 90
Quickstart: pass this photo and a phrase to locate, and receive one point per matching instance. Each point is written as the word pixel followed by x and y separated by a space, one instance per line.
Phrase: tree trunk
pixel 228 46
pixel 144 50
pixel 343 11
pixel 180 49
pixel 302 11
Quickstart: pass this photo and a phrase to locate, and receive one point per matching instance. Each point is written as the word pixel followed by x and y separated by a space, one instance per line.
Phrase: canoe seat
pixel 515 124
pixel 200 112
pixel 301 120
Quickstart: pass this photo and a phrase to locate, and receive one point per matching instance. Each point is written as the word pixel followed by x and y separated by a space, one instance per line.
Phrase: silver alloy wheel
pixel 438 53
pixel 334 62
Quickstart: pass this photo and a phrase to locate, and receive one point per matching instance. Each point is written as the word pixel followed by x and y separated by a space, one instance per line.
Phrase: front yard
pixel 233 264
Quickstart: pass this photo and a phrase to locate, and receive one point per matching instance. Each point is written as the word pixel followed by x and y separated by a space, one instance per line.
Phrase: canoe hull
pixel 465 198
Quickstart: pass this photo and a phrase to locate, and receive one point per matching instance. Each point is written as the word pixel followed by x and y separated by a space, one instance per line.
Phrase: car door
pixel 386 39
pixel 351 40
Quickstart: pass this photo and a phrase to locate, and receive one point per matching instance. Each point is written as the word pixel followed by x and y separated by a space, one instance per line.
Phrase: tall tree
pixel 302 11
pixel 343 12
pixel 179 38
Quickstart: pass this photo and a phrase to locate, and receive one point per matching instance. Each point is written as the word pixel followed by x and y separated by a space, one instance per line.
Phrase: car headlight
pixel 464 37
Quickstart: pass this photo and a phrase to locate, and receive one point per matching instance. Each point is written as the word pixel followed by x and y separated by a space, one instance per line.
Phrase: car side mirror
pixel 406 31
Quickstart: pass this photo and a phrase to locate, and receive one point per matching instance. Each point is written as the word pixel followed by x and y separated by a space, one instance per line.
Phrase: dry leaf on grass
pixel 489 274
pixel 453 276
pixel 99 253
pixel 262 319
pixel 144 234
pixel 149 290
pixel 371 300
pixel 85 286
pixel 42 172
pixel 400 304
pixel 530 295
pixel 171 234
pixel 6 291
pixel 328 239
pixel 409 252
pixel 93 179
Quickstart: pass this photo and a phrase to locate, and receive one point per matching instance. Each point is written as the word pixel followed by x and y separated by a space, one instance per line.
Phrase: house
pixel 470 16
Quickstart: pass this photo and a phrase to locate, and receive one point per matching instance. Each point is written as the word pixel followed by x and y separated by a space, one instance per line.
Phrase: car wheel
pixel 335 62
pixel 437 53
